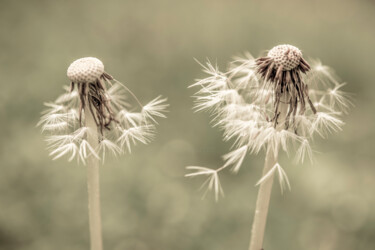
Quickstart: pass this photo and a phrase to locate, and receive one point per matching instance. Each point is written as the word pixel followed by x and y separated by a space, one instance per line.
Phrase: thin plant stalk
pixel 93 184
pixel 265 189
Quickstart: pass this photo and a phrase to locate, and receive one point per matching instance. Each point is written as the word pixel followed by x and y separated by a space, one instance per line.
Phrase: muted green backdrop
pixel 147 204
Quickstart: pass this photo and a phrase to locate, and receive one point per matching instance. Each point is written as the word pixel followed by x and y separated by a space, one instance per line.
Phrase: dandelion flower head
pixel 121 120
pixel 246 102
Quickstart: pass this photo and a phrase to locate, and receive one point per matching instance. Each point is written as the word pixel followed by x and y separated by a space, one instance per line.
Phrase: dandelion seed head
pixel 95 93
pixel 285 55
pixel 86 69
pixel 276 102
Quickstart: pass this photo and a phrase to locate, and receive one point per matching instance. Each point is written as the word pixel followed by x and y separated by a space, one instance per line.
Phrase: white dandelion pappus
pixel 283 178
pixel 212 182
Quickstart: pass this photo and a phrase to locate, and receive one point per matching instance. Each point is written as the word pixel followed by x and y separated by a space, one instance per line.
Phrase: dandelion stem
pixel 93 184
pixel 265 188
pixel 262 205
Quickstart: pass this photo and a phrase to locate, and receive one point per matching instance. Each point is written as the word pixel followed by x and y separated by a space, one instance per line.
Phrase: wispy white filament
pixel 283 178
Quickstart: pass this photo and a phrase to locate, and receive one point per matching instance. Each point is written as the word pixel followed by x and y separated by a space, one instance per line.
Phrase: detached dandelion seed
pixel 94 117
pixel 277 102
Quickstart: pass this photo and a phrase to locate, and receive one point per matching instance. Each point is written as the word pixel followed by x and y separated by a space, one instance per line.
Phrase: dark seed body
pixel 286 83
pixel 98 103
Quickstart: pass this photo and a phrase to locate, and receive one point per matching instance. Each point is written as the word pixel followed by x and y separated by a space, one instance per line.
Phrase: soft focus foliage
pixel 147 204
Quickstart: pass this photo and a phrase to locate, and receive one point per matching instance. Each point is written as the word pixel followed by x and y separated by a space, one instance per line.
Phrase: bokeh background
pixel 147 204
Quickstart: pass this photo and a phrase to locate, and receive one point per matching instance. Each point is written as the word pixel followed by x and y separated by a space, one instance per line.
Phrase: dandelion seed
pixel 212 183
pixel 325 123
pixel 132 135
pixel 118 96
pixel 339 98
pixel 68 98
pixel 68 148
pixel 283 178
pixel 131 118
pixel 199 171
pixel 304 151
pixel 235 158
pixel 86 150
pixel 52 108
pixel 107 145
pixel 155 108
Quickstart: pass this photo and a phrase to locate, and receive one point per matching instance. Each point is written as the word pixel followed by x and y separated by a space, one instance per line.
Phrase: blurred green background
pixel 147 204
